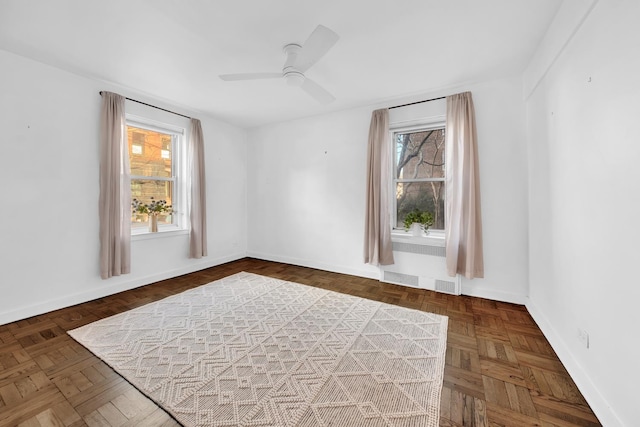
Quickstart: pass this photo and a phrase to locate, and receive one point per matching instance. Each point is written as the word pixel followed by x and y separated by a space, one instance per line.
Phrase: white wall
pixel 584 153
pixel 49 200
pixel 306 190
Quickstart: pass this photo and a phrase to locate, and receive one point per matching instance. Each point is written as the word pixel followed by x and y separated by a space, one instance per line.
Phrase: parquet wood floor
pixel 500 370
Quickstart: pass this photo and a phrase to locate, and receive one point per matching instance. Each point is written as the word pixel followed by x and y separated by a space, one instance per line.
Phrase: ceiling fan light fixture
pixel 294 78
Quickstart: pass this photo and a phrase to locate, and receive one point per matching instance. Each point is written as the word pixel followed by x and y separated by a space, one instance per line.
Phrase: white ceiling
pixel 174 50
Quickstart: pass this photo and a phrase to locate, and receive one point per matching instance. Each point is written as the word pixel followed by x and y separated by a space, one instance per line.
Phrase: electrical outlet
pixel 583 337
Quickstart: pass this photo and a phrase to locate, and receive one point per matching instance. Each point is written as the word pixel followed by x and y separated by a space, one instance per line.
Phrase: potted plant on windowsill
pixel 152 209
pixel 422 220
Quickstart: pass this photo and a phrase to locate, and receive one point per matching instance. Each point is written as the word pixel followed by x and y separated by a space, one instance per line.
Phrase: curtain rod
pixel 153 106
pixel 417 102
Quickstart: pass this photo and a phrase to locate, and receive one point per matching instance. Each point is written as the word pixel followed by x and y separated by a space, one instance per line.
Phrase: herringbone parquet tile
pixel 500 370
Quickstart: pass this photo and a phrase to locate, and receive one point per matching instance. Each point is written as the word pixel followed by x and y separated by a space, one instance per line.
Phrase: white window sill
pixel 144 234
pixel 434 238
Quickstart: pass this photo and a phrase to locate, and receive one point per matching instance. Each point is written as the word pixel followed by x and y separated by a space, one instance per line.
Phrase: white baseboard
pixel 369 274
pixel 81 297
pixel 495 295
pixel 589 390
pixel 375 274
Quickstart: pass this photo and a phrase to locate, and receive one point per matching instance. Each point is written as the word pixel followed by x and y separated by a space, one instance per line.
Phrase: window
pixel 418 173
pixel 155 170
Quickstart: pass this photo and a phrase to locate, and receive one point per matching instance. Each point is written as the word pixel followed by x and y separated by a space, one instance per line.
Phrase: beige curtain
pixel 464 220
pixel 378 249
pixel 197 199
pixel 115 189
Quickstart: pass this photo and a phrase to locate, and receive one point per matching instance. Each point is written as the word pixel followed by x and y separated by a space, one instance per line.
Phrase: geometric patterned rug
pixel 249 350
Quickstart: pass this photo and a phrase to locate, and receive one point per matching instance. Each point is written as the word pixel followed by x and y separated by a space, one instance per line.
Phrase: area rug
pixel 249 350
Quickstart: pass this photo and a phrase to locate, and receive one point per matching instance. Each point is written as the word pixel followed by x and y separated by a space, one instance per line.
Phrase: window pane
pixel 149 152
pixel 143 190
pixel 424 196
pixel 420 154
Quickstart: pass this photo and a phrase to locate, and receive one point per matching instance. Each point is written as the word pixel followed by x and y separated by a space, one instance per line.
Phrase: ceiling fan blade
pixel 249 76
pixel 317 45
pixel 317 91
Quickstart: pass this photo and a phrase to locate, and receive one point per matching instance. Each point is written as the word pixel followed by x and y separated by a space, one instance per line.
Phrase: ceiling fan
pixel 299 60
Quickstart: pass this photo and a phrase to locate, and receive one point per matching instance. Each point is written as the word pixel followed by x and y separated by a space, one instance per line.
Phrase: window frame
pixel 414 127
pixel 178 173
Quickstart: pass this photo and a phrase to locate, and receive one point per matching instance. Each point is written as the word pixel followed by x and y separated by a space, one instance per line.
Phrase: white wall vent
pixel 420 265
pixel 419 249
pixel 401 279
pixel 448 287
